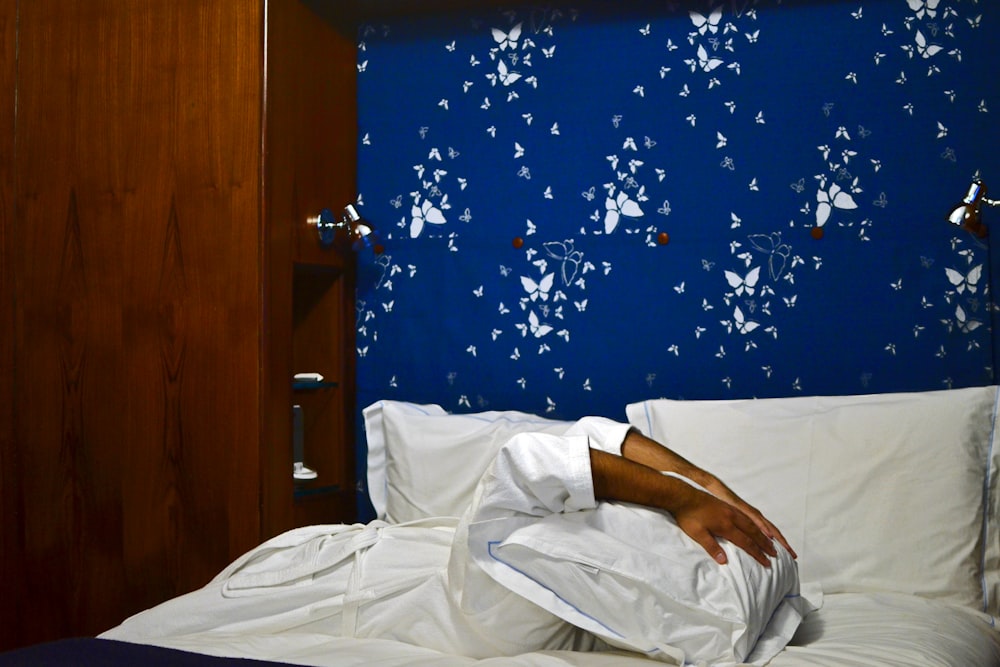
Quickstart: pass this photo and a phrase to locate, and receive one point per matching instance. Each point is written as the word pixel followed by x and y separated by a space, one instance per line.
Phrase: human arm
pixel 640 449
pixel 701 515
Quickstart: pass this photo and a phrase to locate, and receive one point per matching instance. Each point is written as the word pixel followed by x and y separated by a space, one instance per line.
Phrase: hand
pixel 705 518
pixel 724 493
pixel 648 452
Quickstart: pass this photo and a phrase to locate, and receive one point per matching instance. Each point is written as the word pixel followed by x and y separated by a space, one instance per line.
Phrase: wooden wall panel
pixel 11 559
pixel 311 144
pixel 136 245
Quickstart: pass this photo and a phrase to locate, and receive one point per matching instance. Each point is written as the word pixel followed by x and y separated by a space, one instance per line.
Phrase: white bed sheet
pixel 851 630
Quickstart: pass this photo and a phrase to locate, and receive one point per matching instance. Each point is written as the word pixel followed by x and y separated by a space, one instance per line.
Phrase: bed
pixel 899 550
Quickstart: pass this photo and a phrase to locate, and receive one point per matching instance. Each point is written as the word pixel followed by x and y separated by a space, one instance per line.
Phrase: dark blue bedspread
pixel 88 652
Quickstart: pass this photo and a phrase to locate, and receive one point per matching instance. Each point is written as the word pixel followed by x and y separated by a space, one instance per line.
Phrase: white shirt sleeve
pixel 604 434
pixel 532 476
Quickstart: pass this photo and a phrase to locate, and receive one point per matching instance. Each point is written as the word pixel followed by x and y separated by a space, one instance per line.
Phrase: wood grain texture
pixel 11 536
pixel 138 303
pixel 156 173
pixel 311 87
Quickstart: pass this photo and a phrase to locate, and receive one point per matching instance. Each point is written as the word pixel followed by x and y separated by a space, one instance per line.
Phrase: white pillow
pixel 425 462
pixel 629 575
pixel 887 492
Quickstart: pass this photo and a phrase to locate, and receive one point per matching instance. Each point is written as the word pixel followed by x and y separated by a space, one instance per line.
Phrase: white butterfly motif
pixel 537 328
pixel 708 23
pixel 743 325
pixel 924 7
pixel 965 324
pixel 835 197
pixel 923 48
pixel 424 213
pixel 617 207
pixel 539 290
pixel 570 258
pixel 743 284
pixel 704 61
pixel 507 40
pixel 506 76
pixel 968 281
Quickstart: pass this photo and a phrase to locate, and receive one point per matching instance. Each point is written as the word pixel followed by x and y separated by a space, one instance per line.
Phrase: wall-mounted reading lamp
pixel 968 213
pixel 350 228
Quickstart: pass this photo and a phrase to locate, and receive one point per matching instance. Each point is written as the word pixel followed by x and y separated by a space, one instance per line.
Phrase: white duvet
pixel 492 585
pixel 851 630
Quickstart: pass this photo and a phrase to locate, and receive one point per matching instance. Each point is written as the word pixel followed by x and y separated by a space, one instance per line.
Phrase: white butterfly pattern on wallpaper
pixel 618 206
pixel 424 213
pixel 924 7
pixel 777 251
pixel 965 281
pixel 540 289
pixel 705 62
pixel 739 322
pixel 743 284
pixel 507 40
pixel 504 75
pixel 706 24
pixel 965 324
pixel 923 48
pixel 829 199
pixel 570 258
pixel 534 326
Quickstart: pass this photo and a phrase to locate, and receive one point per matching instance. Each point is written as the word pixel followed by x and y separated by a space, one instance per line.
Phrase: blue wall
pixel 522 166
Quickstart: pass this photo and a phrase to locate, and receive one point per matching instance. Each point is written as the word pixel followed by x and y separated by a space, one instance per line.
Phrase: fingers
pixel 775 534
pixel 769 529
pixel 710 545
pixel 765 526
pixel 740 539
pixel 735 527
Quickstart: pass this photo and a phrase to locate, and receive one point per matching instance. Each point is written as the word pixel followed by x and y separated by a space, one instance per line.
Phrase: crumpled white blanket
pixel 478 587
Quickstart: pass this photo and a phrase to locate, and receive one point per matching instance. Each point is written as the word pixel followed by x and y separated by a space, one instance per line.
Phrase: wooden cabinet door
pixel 310 164
pixel 133 470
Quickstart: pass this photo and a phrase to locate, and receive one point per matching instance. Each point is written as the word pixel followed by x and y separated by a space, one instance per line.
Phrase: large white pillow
pixel 629 575
pixel 889 492
pixel 424 461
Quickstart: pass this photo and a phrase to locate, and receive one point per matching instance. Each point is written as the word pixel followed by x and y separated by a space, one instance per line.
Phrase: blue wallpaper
pixel 583 207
